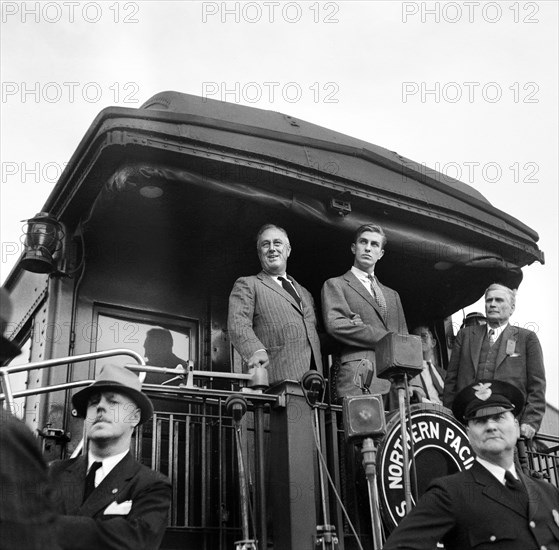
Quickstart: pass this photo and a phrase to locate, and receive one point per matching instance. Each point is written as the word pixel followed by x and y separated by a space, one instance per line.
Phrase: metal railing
pixel 8 395
pixel 191 439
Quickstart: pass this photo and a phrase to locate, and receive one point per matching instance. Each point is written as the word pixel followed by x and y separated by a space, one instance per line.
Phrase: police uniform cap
pixel 486 398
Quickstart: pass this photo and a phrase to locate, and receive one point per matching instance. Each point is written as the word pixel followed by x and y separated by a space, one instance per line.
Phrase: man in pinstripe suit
pixel 272 321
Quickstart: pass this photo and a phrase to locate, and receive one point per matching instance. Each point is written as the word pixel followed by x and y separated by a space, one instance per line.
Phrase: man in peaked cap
pixel 106 498
pixel 491 505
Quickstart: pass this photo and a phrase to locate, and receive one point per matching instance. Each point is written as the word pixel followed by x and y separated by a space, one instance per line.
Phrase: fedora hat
pixel 116 379
pixel 486 398
pixel 8 349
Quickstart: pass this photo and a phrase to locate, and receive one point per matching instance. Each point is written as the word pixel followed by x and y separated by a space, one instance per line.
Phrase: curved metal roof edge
pixel 379 156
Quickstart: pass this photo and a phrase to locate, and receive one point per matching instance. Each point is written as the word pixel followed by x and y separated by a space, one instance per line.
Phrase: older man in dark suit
pixel 272 321
pixel 106 499
pixel 358 311
pixel 492 505
pixel 500 351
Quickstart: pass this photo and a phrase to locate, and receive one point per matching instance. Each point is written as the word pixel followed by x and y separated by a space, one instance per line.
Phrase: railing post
pixel 292 486
pixel 260 474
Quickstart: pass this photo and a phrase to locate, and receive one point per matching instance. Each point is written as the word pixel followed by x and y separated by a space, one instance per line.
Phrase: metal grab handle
pixel 8 395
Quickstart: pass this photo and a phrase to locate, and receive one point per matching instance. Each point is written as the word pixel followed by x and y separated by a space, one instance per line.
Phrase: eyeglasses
pixel 266 245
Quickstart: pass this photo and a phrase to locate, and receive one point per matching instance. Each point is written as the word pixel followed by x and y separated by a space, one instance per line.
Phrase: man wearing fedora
pixel 27 518
pixel 493 504
pixel 105 497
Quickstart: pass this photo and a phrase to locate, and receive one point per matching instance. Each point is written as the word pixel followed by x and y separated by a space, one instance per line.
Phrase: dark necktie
pixel 378 295
pixel 90 480
pixel 517 487
pixel 289 288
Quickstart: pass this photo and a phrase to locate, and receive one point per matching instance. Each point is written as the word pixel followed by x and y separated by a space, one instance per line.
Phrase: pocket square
pixel 514 355
pixel 118 508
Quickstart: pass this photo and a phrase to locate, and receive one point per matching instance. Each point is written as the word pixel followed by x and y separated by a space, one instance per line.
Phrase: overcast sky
pixel 468 88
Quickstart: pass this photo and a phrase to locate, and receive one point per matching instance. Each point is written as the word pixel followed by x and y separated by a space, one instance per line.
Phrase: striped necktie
pixel 491 335
pixel 378 295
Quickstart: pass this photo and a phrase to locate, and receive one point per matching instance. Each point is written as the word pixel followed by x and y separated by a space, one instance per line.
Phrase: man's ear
pixel 136 416
pixel 381 254
pixel 353 248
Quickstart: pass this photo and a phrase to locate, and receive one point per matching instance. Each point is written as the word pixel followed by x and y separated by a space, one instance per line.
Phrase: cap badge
pixel 483 391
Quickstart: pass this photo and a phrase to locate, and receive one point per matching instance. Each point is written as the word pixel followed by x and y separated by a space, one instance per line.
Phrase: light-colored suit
pixel 262 315
pixel 519 362
pixel 353 318
pixel 103 520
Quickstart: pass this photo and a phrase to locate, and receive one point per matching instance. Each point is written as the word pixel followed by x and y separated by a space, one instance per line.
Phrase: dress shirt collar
pixel 284 275
pixel 497 471
pixel 107 465
pixel 363 276
pixel 498 330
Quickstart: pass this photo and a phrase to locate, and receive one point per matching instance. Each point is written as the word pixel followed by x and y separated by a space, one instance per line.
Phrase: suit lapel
pixel 271 284
pixel 111 487
pixel 357 285
pixel 301 293
pixel 495 490
pixel 533 494
pixel 72 484
pixel 508 334
pixel 478 334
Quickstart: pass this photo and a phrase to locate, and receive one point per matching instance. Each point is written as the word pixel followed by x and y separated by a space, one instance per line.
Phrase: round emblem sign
pixel 440 447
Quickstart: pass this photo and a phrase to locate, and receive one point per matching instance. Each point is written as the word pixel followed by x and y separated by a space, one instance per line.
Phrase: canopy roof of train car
pixel 274 163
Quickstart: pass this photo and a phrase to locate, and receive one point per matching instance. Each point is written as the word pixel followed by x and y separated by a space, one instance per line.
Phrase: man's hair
pixel 417 330
pixel 374 229
pixel 160 336
pixel 509 292
pixel 270 226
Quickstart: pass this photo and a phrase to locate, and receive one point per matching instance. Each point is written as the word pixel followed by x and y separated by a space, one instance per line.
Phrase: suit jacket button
pixel 532 524
pixel 492 538
pixel 114 491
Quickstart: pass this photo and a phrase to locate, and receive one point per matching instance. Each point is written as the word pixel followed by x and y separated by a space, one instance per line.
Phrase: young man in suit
pixel 105 498
pixel 358 311
pixel 272 321
pixel 500 351
pixel 492 505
